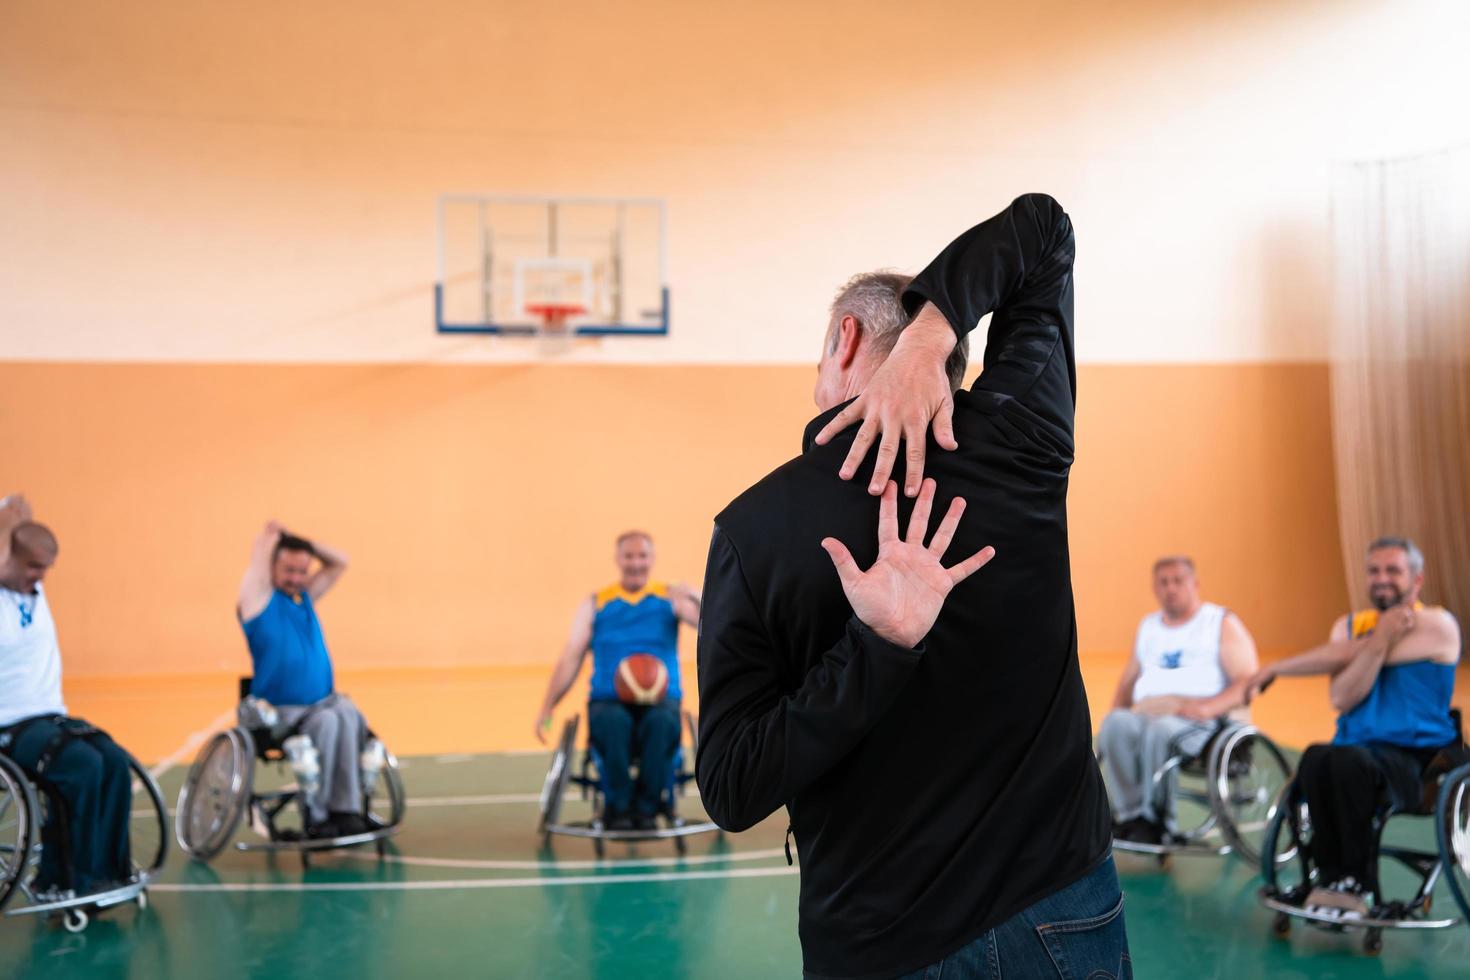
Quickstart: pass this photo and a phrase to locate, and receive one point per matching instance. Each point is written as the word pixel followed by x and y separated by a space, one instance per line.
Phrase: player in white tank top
pixel 1191 663
pixel 1182 659
pixel 85 851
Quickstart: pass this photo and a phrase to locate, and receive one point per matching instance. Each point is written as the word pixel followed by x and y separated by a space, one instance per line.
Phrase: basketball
pixel 641 679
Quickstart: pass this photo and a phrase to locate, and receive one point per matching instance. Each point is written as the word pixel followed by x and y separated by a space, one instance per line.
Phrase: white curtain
pixel 1401 364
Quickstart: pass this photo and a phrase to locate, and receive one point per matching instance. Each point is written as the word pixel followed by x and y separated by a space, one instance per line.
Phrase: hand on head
pixel 907 392
pixel 900 596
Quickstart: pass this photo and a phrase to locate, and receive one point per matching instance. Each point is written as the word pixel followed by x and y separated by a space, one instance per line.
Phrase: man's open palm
pixel 899 598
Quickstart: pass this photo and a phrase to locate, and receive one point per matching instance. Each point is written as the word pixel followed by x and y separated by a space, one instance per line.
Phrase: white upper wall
pixel 192 181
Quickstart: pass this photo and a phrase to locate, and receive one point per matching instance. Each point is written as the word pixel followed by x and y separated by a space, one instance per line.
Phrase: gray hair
pixel 1408 547
pixel 875 301
pixel 1169 560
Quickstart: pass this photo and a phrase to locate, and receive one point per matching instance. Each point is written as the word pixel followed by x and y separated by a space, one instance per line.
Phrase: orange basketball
pixel 641 679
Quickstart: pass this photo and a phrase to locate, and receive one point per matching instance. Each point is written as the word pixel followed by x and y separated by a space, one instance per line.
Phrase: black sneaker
pixel 323 831
pixel 1135 831
pixel 349 824
pixel 644 821
pixel 618 820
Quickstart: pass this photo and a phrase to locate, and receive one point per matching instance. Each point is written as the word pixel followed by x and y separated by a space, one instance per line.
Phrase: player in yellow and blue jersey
pixel 634 615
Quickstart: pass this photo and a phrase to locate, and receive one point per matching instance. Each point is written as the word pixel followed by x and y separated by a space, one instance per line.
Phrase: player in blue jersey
pixel 286 577
pixel 635 615
pixel 1393 675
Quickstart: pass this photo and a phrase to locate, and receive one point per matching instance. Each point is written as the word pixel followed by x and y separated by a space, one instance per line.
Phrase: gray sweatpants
pixel 1133 747
pixel 335 727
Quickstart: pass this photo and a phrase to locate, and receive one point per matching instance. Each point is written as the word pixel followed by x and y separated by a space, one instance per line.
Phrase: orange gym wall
pixel 478 503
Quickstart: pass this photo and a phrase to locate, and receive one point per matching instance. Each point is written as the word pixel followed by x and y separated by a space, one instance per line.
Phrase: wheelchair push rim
pixel 1452 830
pixel 153 830
pixel 215 794
pixel 554 787
pixel 1246 804
pixel 18 830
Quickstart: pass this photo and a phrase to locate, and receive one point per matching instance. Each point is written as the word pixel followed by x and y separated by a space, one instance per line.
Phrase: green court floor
pixel 467 891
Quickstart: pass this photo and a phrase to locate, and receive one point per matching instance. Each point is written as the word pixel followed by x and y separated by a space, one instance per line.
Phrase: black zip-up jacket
pixel 933 792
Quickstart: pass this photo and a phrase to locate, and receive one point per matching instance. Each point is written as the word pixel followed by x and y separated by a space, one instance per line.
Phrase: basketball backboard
pixel 529 265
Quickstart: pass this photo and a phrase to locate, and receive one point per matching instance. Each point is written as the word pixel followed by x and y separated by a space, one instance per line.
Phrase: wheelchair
pixel 560 775
pixel 26 806
pixel 1234 782
pixel 1291 875
pixel 220 791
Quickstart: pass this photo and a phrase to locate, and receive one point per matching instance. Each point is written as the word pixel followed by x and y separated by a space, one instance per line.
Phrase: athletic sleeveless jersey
pixel 633 622
pixel 30 658
pixel 1409 704
pixel 1183 660
pixel 292 665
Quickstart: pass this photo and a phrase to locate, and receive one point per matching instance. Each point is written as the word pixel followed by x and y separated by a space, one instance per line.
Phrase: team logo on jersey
pixel 1171 660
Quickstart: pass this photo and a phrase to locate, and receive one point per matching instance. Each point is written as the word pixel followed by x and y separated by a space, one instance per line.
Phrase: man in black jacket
pixel 939 780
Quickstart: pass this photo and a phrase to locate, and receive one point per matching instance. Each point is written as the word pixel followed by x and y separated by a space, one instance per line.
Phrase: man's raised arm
pixel 15 510
pixel 333 564
pixel 1017 265
pixel 255 586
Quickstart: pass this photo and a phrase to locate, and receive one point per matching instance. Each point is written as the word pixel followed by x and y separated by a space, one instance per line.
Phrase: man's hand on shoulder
pixel 900 596
pixel 907 392
pixel 1396 623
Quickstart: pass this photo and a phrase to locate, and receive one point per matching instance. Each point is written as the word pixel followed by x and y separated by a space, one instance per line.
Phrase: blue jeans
pixel 1074 934
pixel 621 731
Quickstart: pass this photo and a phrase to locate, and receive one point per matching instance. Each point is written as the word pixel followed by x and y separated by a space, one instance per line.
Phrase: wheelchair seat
pixel 219 792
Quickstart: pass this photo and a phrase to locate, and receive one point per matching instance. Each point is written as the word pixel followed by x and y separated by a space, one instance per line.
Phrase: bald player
pixel 634 615
pixel 85 844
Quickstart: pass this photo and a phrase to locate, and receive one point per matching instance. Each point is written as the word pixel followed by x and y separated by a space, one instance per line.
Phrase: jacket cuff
pixel 864 639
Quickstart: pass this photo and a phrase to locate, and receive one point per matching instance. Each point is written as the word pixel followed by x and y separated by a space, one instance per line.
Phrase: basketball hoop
pixel 554 316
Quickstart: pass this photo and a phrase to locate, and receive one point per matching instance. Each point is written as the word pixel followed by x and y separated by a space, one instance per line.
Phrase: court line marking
pixel 481 800
pixel 498 865
pixel 488 799
pixel 475 883
pixel 190 744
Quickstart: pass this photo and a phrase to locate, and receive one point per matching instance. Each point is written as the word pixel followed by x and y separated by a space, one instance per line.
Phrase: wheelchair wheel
pixel 386 804
pixel 147 834
pixel 1246 775
pixel 215 794
pixel 1452 828
pixel 1283 861
pixel 19 828
pixel 555 786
